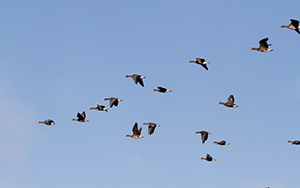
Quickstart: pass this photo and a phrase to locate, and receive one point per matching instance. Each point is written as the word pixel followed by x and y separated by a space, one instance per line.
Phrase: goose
pixel 81 117
pixel 208 158
pixel 162 90
pixel 113 101
pixel 99 107
pixel 200 61
pixel 137 79
pixel 204 135
pixel 222 143
pixel 136 132
pixel 230 102
pixel 151 127
pixel 263 46
pixel 294 25
pixel 296 142
pixel 47 122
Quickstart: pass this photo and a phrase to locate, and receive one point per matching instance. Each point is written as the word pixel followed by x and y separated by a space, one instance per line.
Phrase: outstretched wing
pixel 263 43
pixel 135 129
pixel 208 157
pixel 230 99
pixel 141 82
pixel 83 114
pixel 112 102
pixel 295 23
pixel 204 136
pixel 204 65
pixel 151 129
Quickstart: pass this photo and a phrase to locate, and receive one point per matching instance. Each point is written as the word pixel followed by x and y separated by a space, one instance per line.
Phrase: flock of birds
pixel 138 79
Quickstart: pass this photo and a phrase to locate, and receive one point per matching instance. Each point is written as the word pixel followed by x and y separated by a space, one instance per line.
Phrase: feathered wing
pixel 230 99
pixel 208 157
pixel 83 114
pixel 263 43
pixel 135 129
pixel 204 137
pixel 112 102
pixel 141 82
pixel 151 129
pixel 204 65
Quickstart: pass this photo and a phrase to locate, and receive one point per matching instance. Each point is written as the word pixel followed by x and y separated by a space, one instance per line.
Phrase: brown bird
pixel 296 142
pixel 230 102
pixel 99 107
pixel 47 122
pixel 113 101
pixel 137 79
pixel 151 127
pixel 162 90
pixel 200 61
pixel 204 135
pixel 222 143
pixel 136 132
pixel 294 25
pixel 263 46
pixel 81 117
pixel 208 158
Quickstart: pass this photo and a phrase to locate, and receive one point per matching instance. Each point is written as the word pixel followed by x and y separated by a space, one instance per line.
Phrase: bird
pixel 222 143
pixel 81 117
pixel 162 90
pixel 263 46
pixel 137 79
pixel 200 61
pixel 113 101
pixel 208 158
pixel 151 127
pixel 99 107
pixel 48 122
pixel 136 132
pixel 296 142
pixel 230 102
pixel 294 25
pixel 204 135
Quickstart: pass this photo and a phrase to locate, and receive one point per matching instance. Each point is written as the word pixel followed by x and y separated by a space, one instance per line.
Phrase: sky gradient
pixel 58 58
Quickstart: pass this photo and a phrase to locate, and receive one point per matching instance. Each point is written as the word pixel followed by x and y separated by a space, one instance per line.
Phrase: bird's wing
pixel 204 136
pixel 230 99
pixel 79 116
pixel 112 101
pixel 204 65
pixel 83 114
pixel 263 43
pixel 151 129
pixel 135 129
pixel 141 82
pixel 295 23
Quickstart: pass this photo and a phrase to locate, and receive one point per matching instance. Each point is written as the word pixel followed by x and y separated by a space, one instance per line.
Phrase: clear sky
pixel 58 58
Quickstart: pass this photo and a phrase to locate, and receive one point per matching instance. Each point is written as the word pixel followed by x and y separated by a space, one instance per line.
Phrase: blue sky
pixel 58 58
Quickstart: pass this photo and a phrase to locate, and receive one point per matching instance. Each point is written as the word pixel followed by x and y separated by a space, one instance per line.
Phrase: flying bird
pixel 162 90
pixel 47 122
pixel 113 101
pixel 99 107
pixel 151 127
pixel 200 61
pixel 263 46
pixel 81 117
pixel 136 132
pixel 296 142
pixel 204 135
pixel 208 158
pixel 222 143
pixel 137 79
pixel 230 102
pixel 294 25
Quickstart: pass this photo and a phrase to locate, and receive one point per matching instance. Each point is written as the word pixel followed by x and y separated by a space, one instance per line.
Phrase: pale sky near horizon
pixel 58 58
